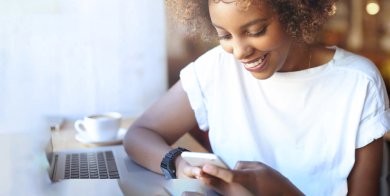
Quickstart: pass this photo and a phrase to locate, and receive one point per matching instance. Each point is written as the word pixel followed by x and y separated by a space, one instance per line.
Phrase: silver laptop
pixel 104 163
pixel 89 163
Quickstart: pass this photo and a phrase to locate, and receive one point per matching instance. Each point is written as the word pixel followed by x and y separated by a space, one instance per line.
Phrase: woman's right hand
pixel 248 178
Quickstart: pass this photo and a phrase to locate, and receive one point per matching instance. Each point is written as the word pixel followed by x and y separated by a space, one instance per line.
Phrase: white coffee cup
pixel 99 127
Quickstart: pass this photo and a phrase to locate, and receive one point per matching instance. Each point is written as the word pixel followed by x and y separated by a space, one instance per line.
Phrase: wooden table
pixel 64 138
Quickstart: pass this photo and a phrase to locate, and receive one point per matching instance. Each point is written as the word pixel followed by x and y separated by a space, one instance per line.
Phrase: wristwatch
pixel 168 163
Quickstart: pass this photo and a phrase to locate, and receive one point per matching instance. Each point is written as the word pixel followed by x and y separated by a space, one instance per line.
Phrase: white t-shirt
pixel 305 124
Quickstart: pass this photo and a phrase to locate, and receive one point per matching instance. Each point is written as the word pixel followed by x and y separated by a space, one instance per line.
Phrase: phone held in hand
pixel 199 159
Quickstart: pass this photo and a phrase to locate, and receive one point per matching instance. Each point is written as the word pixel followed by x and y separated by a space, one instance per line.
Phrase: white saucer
pixel 83 138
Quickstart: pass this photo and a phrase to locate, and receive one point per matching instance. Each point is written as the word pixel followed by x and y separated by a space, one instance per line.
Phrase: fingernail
pixel 207 168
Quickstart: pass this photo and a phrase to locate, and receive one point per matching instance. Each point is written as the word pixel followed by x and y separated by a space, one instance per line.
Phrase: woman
pixel 290 116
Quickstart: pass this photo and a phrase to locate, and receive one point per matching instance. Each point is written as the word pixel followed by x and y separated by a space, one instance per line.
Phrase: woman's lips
pixel 258 65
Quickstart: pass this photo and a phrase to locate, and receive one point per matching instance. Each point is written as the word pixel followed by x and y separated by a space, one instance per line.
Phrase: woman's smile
pixel 258 64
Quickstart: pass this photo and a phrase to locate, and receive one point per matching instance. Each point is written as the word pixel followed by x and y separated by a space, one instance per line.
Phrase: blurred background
pixel 70 58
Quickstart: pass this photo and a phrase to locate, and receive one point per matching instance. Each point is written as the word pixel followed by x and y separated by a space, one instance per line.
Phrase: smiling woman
pixel 281 109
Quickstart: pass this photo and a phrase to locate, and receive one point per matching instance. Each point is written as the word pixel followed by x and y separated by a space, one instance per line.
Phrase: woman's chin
pixel 261 75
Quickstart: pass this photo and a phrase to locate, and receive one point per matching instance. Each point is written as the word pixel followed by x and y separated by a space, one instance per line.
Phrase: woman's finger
pixel 215 183
pixel 224 174
pixel 247 165
pixel 192 172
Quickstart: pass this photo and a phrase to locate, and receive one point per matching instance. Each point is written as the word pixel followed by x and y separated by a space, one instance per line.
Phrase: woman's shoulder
pixel 355 63
pixel 352 60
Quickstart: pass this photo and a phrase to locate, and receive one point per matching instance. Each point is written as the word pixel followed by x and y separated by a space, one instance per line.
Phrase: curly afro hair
pixel 302 19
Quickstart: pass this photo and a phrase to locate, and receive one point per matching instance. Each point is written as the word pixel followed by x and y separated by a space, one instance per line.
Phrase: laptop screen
pixel 49 150
pixel 50 156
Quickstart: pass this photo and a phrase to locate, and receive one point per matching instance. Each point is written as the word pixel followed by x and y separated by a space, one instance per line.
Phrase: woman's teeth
pixel 254 64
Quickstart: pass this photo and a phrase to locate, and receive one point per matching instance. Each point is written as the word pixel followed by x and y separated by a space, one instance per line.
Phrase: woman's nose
pixel 242 50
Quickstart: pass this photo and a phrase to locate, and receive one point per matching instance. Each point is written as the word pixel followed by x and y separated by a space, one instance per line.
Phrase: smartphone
pixel 198 159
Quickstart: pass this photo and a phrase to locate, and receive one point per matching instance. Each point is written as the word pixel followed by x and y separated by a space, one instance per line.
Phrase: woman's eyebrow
pixel 246 25
pixel 256 21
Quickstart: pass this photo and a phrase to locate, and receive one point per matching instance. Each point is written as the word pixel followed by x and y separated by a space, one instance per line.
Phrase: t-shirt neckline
pixel 308 73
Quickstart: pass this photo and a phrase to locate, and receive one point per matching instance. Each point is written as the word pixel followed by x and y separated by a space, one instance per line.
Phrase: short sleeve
pixel 375 121
pixel 191 84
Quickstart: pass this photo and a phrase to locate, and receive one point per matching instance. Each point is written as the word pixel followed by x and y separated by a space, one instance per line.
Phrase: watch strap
pixel 167 165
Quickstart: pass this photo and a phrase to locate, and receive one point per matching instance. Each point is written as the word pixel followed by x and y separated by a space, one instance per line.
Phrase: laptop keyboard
pixel 94 165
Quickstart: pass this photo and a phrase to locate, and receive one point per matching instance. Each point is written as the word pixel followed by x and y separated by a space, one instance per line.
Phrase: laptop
pixel 90 163
pixel 108 163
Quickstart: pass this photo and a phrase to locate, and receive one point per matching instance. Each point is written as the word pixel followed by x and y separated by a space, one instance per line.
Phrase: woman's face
pixel 254 36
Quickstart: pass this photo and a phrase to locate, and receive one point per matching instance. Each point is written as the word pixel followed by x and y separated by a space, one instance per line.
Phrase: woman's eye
pixel 257 33
pixel 224 37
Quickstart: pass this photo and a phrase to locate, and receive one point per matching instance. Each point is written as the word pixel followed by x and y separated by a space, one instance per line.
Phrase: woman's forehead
pixel 242 4
pixel 229 16
pixel 223 1
pixel 235 5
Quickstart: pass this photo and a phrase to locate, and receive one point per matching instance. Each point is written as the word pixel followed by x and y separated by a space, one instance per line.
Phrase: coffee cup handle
pixel 79 126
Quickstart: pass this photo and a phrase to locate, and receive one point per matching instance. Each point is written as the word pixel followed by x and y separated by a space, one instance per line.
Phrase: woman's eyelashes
pixel 248 33
pixel 257 33
pixel 224 37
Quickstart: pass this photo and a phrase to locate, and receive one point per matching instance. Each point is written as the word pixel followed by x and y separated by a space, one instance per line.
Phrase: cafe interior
pixel 94 67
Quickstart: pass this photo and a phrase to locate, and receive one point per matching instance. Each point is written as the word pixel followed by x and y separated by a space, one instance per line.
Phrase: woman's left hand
pixel 247 178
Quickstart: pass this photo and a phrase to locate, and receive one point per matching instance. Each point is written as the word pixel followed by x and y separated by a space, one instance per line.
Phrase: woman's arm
pixel 364 178
pixel 150 136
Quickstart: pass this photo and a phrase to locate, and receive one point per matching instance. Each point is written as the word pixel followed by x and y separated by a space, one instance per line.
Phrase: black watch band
pixel 168 163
